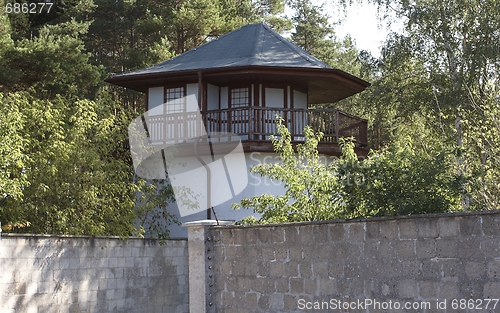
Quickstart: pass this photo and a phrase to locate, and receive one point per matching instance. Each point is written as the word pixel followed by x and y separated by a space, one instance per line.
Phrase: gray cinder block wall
pixel 56 274
pixel 443 261
pixel 435 261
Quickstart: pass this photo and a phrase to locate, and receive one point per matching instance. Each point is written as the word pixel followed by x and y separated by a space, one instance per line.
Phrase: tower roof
pixel 252 48
pixel 250 45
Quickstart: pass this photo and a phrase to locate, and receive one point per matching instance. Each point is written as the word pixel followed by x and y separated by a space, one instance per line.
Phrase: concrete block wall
pixel 429 263
pixel 56 274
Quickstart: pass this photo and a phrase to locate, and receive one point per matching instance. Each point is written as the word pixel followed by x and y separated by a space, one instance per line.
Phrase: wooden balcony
pixel 255 125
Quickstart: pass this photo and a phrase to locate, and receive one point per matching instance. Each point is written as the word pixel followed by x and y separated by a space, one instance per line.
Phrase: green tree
pixel 74 183
pixel 12 159
pixel 66 170
pixel 315 34
pixel 312 188
pixel 456 50
pixel 399 98
pixel 127 35
pixel 398 180
pixel 6 44
pixel 52 63
pixel 236 13
pixel 27 25
pixel 482 141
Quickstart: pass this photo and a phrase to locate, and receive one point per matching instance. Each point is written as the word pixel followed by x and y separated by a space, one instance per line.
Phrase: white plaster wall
pixel 155 100
pixel 191 97
pixel 275 98
pixel 257 185
pixel 299 100
pixel 223 97
pixel 212 97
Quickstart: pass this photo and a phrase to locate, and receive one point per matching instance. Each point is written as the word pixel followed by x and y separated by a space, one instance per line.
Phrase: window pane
pixel 175 100
pixel 239 97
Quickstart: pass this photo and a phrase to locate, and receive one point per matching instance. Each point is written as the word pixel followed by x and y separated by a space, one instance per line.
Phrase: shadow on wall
pixel 418 260
pixel 48 274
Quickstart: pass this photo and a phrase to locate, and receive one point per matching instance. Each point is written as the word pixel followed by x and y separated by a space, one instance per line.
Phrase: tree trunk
pixel 457 90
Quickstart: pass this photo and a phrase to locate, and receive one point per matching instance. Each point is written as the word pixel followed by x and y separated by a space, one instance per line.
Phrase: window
pixel 240 97
pixel 175 101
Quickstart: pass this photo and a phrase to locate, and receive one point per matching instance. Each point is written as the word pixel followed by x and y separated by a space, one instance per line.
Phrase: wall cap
pixel 61 236
pixel 207 223
pixel 457 214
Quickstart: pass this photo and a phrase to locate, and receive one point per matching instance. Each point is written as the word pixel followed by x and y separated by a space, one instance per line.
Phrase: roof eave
pixel 141 82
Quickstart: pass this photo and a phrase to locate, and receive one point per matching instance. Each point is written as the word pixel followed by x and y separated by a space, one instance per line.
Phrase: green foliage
pixel 64 164
pixel 312 188
pixel 314 33
pixel 51 63
pixel 12 159
pixel 127 35
pixel 482 141
pixel 27 25
pixel 439 76
pixel 5 29
pixel 65 170
pixel 152 214
pixel 74 185
pixel 236 13
pixel 401 180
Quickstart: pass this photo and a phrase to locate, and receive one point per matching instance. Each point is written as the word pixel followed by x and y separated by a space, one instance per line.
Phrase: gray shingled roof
pixel 250 45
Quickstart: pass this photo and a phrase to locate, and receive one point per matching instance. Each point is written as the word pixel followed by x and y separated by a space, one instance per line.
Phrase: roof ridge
pixel 296 49
pixel 257 48
pixel 202 45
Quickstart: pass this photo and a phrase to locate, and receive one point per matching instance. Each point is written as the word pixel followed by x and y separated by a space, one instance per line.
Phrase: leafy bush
pixel 398 181
pixel 312 188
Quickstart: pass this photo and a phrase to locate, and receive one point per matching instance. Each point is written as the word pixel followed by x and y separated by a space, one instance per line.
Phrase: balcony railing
pixel 257 124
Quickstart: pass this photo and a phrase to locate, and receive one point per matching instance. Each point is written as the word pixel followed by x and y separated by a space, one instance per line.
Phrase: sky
pixel 360 22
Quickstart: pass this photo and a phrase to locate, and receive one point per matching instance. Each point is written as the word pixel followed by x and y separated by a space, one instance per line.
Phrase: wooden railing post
pixel 250 123
pixel 337 117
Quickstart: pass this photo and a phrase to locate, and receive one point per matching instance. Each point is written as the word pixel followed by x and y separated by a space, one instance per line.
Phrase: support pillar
pixel 201 266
